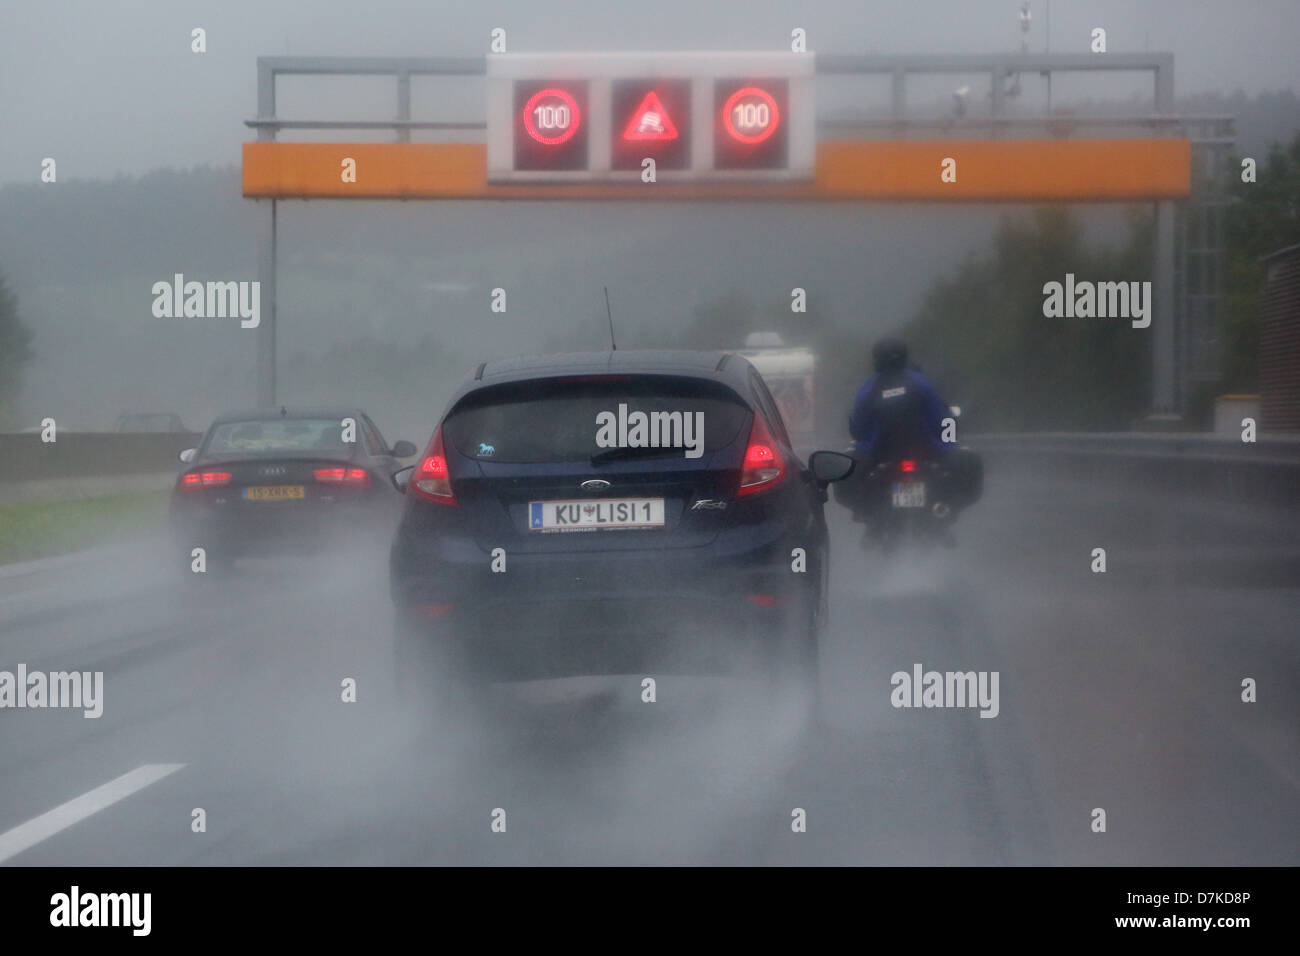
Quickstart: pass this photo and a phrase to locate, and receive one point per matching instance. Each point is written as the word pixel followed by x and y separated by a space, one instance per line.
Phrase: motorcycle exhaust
pixel 940 510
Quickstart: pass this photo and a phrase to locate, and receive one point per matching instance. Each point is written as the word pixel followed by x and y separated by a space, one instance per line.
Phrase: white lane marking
pixel 27 835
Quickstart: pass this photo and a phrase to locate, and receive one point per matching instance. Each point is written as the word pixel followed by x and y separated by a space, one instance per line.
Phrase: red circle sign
pixel 750 115
pixel 551 116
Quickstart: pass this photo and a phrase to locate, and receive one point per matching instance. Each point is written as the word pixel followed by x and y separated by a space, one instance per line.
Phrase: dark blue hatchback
pixel 607 513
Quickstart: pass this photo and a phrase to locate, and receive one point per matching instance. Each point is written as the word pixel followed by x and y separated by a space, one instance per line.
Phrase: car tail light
pixel 432 481
pixel 192 480
pixel 763 468
pixel 907 466
pixel 356 477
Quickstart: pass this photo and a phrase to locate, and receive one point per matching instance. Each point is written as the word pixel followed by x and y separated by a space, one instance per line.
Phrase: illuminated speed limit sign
pixel 750 115
pixel 552 116
pixel 750 126
pixel 550 127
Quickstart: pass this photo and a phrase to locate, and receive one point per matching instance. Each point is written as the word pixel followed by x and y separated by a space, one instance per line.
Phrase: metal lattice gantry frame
pixel 1188 234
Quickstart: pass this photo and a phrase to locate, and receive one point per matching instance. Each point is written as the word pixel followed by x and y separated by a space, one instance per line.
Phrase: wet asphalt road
pixel 1119 691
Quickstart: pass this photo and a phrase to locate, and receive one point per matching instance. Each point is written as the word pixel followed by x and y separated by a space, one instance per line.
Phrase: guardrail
pixel 84 464
pixel 1268 449
pixel 1197 465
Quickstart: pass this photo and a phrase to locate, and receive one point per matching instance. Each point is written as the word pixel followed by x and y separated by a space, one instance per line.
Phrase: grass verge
pixel 46 528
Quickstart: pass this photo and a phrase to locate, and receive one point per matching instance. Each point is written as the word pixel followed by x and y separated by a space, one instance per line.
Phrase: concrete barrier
pixel 25 457
pixel 88 464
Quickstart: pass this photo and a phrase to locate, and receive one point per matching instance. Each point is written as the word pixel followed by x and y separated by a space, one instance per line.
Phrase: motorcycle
pixel 913 500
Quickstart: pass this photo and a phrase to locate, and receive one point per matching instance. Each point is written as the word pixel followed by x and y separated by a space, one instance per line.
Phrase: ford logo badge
pixel 594 484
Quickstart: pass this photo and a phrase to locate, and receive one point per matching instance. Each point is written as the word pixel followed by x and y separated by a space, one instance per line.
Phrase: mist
pixel 1125 582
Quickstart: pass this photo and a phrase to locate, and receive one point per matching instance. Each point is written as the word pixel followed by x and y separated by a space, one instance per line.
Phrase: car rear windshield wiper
pixel 617 454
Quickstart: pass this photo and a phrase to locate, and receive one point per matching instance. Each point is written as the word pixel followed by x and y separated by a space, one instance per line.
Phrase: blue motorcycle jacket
pixel 898 412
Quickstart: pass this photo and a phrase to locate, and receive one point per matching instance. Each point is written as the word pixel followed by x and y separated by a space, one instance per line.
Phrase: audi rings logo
pixel 271 471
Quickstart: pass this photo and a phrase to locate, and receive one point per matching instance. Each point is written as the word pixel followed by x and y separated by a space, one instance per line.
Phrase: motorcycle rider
pixel 897 414
pixel 898 411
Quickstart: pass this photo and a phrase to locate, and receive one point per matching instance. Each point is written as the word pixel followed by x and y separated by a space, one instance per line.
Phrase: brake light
pixel 356 477
pixel 763 468
pixel 204 479
pixel 907 465
pixel 432 480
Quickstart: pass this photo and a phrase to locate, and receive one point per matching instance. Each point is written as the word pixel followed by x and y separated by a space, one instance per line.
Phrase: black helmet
pixel 889 355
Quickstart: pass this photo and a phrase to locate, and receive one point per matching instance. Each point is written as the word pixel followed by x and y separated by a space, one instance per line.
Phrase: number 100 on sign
pixel 550 125
pixel 750 130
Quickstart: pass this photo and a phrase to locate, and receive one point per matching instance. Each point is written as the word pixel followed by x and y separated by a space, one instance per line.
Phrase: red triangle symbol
pixel 650 121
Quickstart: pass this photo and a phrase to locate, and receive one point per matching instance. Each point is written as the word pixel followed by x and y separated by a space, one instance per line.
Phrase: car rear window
pixel 276 435
pixel 575 420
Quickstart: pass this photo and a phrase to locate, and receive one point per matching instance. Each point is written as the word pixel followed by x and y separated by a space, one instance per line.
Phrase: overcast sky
pixel 110 87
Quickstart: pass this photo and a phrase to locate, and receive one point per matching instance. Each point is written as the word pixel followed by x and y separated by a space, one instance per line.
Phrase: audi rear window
pixel 596 417
pixel 277 435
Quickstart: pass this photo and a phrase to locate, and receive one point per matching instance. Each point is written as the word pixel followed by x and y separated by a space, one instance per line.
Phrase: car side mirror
pixel 403 449
pixel 828 466
pixel 188 454
pixel 402 477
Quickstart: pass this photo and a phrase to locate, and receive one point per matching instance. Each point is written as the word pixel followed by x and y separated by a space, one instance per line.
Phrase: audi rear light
pixel 432 480
pixel 192 480
pixel 763 468
pixel 357 477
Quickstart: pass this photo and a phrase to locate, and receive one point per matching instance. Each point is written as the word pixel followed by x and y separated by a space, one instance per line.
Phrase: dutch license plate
pixel 274 492
pixel 909 494
pixel 592 515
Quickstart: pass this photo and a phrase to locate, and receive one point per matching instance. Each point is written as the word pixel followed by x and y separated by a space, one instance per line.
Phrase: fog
pixel 1119 689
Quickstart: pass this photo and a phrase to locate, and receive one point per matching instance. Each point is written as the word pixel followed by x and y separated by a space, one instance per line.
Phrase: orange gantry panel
pixel 986 171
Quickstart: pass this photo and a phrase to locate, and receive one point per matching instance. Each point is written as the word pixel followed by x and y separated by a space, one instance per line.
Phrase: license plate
pixel 589 515
pixel 274 492
pixel 909 494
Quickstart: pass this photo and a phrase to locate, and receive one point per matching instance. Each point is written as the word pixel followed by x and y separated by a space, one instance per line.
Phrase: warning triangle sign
pixel 650 122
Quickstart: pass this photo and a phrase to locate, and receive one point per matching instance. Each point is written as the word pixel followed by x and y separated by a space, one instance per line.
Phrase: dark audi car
pixel 275 480
pixel 601 513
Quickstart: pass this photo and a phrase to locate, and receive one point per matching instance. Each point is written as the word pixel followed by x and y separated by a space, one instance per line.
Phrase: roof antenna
pixel 612 346
pixel 283 411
